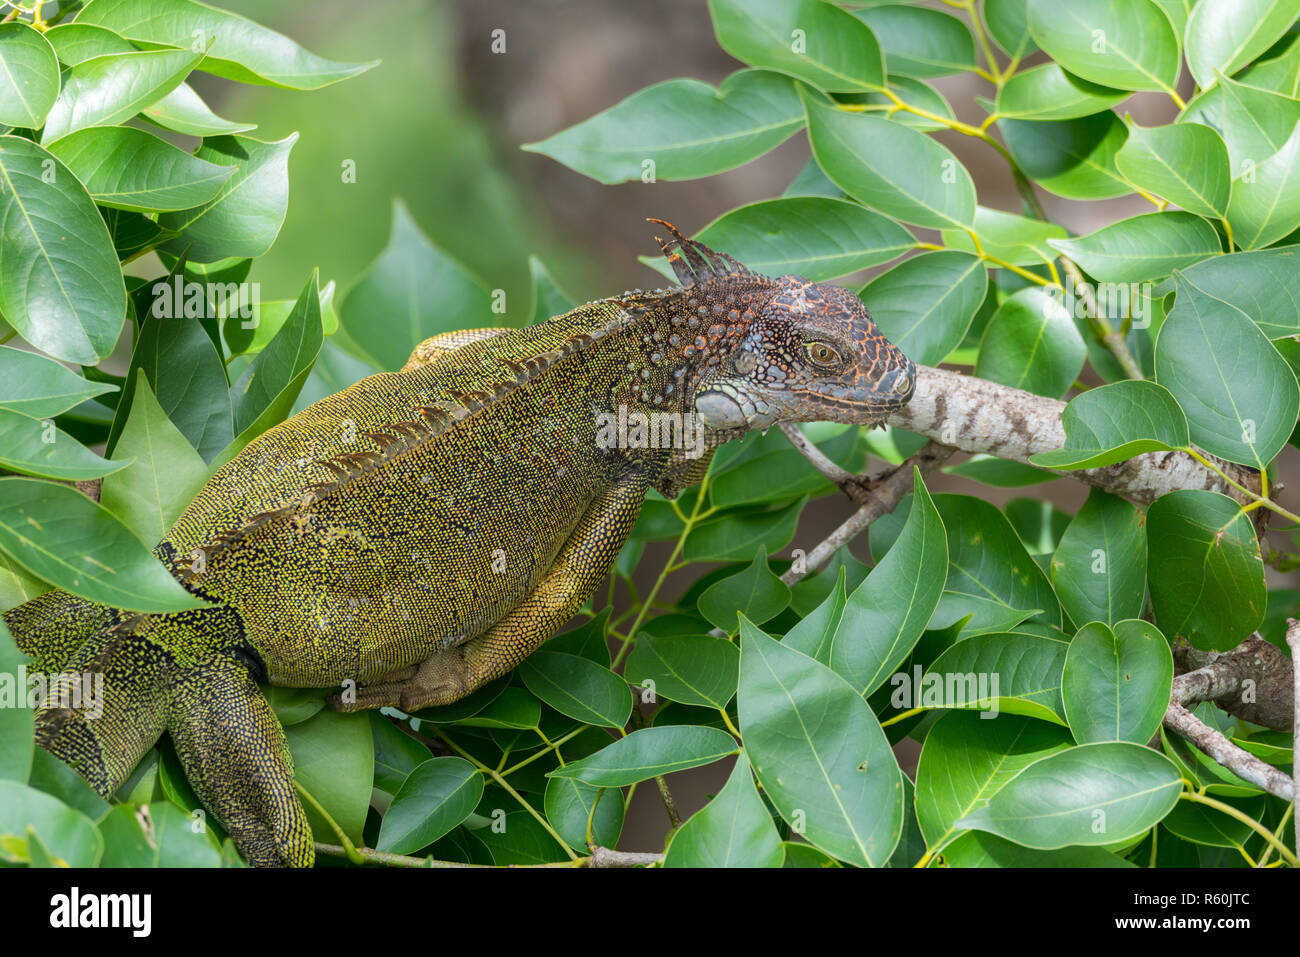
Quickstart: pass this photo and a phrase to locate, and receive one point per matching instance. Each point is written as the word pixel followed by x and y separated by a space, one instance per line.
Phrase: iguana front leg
pixel 580 566
pixel 236 757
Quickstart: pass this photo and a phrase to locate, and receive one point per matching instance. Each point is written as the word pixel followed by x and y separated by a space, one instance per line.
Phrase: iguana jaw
pixel 728 405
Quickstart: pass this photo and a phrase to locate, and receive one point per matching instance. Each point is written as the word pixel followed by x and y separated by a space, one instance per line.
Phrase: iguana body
pixel 424 531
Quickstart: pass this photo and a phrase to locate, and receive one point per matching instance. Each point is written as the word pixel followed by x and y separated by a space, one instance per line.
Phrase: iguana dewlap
pixel 424 531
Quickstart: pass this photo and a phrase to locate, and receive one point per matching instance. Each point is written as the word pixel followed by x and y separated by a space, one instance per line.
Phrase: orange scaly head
pixel 785 349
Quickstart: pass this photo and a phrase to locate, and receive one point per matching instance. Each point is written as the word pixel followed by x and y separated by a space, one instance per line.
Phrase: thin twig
pixel 1293 640
pixel 882 495
pixel 1223 752
pixel 599 857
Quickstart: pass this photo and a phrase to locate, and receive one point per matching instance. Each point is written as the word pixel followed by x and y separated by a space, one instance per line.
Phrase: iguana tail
pixel 117 680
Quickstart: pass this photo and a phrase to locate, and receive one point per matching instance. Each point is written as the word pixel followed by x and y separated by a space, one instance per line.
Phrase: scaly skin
pixel 424 531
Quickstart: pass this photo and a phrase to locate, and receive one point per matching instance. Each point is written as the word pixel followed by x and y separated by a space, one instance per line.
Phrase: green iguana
pixel 424 531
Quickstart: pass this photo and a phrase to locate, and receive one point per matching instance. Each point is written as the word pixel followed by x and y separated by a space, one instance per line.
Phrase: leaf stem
pixel 348 847
pixel 1195 797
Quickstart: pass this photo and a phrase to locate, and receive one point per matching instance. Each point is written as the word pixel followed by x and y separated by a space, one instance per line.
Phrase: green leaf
pixel 681 129
pixel 1032 343
pixel 1239 394
pixel 1015 239
pixel 1116 683
pixel 133 234
pixel 734 536
pixel 548 298
pixel 649 752
pixel 816 629
pixel 967 758
pixel 692 669
pixel 1225 35
pixel 1265 204
pixel 819 752
pixel 1100 566
pixel 1071 158
pixel 245 216
pixel 1009 672
pixel 183 111
pixel 884 617
pixel 1278 74
pixel 732 830
pixel 169 840
pixel 925 304
pixel 588 640
pixel 1008 25
pixel 1202 824
pixel 1186 163
pixel 1149 246
pixel 807 39
pixel 510 708
pixel 397 754
pixel 1000 473
pixel 130 169
pixel 979 849
pixel 920 42
pixel 434 798
pixel 1048 92
pixel 235 47
pixel 1129 44
pixel 1255 123
pixel 1094 794
pixel 411 292
pixel 334 760
pixel 29 76
pixel 61 287
pixel 889 167
pixel 105 90
pixel 59 534
pixel 68 836
pixel 568 805
pixel 753 592
pixel 578 687
pixel 767 469
pixel 265 392
pixel 164 473
pixel 987 560
pixel 1263 283
pixel 808 236
pixel 41 387
pixel 187 375
pixel 36 447
pixel 1206 577
pixel 16 718
pixel 1115 422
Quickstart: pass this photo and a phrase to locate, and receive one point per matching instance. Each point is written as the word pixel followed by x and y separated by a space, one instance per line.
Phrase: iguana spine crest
pixel 349 467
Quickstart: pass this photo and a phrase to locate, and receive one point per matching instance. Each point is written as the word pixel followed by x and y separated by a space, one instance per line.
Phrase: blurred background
pixel 440 122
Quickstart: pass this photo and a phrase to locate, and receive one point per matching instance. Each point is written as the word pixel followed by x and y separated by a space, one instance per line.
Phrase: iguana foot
pixel 439 680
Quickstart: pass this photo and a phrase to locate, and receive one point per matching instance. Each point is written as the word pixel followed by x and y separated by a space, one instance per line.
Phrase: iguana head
pixel 782 349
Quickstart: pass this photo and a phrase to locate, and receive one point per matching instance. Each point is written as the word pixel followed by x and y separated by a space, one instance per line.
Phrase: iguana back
pixel 445 494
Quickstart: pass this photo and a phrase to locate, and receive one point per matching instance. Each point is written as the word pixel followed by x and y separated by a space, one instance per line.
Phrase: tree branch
pixel 878 497
pixel 1240 762
pixel 600 857
pixel 1255 682
pixel 976 415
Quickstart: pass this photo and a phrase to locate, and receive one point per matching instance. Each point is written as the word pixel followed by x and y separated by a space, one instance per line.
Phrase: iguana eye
pixel 822 354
